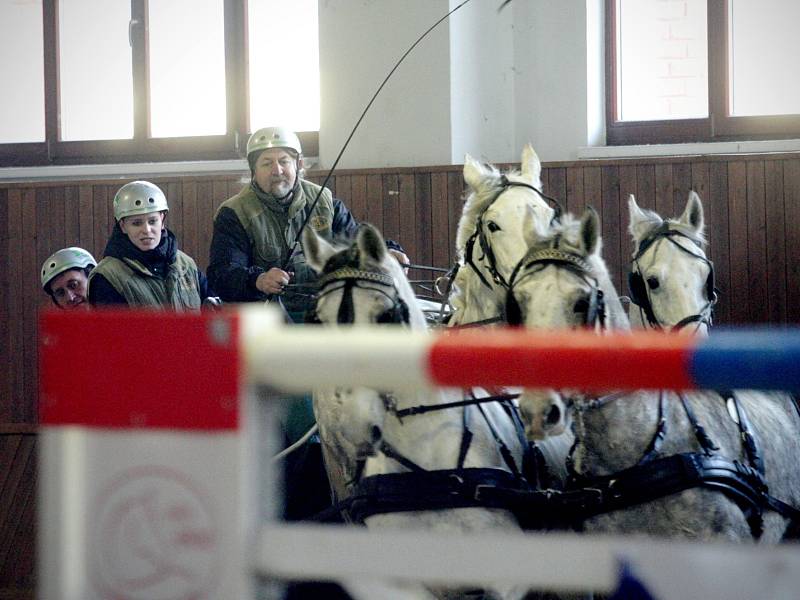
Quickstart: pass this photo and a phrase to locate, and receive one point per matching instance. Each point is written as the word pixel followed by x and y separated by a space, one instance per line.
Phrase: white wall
pixel 482 82
pixel 409 123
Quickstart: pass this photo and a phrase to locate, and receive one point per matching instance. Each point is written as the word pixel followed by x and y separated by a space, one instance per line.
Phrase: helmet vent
pixel 138 203
pixel 151 200
pixel 52 265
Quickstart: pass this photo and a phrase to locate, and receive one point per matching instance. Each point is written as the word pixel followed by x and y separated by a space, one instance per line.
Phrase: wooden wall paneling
pixel 610 223
pixel 776 257
pixel 681 185
pixel 16 326
pixel 57 221
pixel 407 233
pixel 628 185
pixel 423 228
pixel 357 202
pixel 757 241
pixel 557 178
pixel 375 200
pixel 593 191
pixel 440 238
pixel 739 293
pixel 391 207
pixel 6 297
pixel 23 405
pixel 174 193
pixel 111 191
pixel 17 538
pixel 100 223
pixel 574 200
pixel 86 221
pixel 455 206
pixel 189 240
pixel 206 192
pixel 72 216
pixel 791 191
pixel 344 190
pixel 664 190
pixel 645 187
pixel 715 209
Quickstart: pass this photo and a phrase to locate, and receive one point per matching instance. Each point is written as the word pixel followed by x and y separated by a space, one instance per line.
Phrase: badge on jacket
pixel 319 222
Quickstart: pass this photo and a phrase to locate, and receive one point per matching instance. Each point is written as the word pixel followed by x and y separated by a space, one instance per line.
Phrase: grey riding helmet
pixel 64 260
pixel 272 137
pixel 139 198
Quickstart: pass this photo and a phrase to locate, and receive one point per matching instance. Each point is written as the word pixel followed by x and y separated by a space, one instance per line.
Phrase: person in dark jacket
pixel 65 277
pixel 142 265
pixel 254 258
pixel 255 231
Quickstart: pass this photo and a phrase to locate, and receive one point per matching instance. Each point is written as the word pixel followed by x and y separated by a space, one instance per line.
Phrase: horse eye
pixel 652 283
pixel 493 226
pixel 581 306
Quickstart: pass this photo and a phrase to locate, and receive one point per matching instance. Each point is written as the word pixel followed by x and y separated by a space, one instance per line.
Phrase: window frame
pixel 719 125
pixel 143 148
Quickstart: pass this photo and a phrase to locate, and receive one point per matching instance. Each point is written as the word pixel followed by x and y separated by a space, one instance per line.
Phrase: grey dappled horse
pixel 365 438
pixel 563 283
pixel 671 280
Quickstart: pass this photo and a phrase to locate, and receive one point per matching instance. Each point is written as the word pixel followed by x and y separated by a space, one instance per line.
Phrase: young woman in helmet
pixel 142 265
pixel 65 276
pixel 255 230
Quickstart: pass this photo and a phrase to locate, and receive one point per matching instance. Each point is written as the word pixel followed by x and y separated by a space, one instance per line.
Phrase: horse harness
pixel 486 247
pixel 594 306
pixel 344 267
pixel 639 289
pixel 654 476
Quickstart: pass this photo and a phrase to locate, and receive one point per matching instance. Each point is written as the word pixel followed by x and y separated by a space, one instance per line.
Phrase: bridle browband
pixel 640 293
pixel 595 310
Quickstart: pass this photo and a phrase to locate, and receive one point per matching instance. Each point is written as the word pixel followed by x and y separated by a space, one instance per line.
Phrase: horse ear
pixel 590 231
pixel 641 221
pixel 370 243
pixel 316 249
pixel 693 213
pixel 473 172
pixel 531 165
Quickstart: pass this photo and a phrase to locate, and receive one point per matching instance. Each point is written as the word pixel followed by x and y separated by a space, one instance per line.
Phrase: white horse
pixel 422 468
pixel 671 279
pixel 624 436
pixel 499 212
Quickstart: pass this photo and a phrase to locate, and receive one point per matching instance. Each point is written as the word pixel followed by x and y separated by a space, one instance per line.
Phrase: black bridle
pixel 486 247
pixel 640 289
pixel 535 260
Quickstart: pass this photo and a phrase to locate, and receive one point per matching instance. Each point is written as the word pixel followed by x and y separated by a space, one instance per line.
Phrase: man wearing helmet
pixel 65 276
pixel 255 230
pixel 142 265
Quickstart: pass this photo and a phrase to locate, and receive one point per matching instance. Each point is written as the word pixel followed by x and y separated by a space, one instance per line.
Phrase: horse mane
pixel 566 235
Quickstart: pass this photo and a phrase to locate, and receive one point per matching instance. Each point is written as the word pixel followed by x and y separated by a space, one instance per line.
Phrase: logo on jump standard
pixel 154 537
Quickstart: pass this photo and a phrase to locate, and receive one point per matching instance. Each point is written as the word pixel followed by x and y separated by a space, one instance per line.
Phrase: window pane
pixel 284 64
pixel 22 117
pixel 764 53
pixel 187 68
pixel 662 59
pixel 95 70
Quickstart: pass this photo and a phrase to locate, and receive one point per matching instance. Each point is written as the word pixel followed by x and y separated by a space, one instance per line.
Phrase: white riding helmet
pixel 64 260
pixel 273 137
pixel 138 198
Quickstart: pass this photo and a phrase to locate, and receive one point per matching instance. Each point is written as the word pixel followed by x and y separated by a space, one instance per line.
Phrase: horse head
pixel 500 211
pixel 562 283
pixel 361 285
pixel 671 279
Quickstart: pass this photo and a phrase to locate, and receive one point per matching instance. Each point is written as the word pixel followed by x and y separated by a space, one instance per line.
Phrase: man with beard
pixel 255 231
pixel 254 257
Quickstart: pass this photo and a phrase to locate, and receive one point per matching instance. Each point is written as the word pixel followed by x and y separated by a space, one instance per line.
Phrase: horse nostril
pixel 377 434
pixel 553 415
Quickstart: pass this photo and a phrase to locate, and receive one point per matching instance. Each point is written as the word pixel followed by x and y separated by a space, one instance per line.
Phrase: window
pixel 701 70
pixel 101 81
